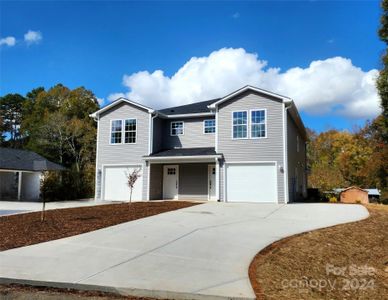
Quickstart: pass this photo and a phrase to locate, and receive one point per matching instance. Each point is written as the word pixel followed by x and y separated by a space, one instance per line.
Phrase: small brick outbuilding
pixel 354 194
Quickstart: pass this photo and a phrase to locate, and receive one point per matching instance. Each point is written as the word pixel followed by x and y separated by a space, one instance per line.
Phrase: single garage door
pixel 115 184
pixel 253 182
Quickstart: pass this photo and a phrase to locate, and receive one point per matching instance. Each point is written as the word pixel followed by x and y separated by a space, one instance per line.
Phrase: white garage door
pixel 115 184
pixel 251 182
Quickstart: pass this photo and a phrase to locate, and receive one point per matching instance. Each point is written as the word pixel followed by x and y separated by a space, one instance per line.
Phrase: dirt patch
pixel 348 261
pixel 27 229
pixel 16 291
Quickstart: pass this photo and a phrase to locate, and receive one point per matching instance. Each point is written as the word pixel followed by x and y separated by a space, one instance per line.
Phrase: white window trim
pixel 183 128
pixel 110 132
pixel 265 123
pixel 124 131
pixel 242 138
pixel 215 126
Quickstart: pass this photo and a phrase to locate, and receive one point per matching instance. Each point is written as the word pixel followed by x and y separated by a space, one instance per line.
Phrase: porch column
pixel 217 180
pixel 19 185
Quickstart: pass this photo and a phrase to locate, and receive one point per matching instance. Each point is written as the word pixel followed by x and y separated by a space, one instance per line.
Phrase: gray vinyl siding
pixel 193 136
pixel 156 182
pixel 193 181
pixel 124 154
pixel 296 161
pixel 264 149
pixel 157 144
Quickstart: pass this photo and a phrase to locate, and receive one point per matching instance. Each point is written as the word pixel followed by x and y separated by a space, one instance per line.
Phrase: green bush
pixel 67 185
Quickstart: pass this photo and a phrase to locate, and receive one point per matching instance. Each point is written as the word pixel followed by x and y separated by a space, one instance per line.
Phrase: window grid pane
pixel 240 124
pixel 115 136
pixel 210 126
pixel 176 128
pixel 258 129
pixel 130 131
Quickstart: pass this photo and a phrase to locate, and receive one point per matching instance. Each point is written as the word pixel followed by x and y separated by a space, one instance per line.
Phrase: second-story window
pixel 130 131
pixel 258 124
pixel 177 128
pixel 115 131
pixel 209 126
pixel 240 125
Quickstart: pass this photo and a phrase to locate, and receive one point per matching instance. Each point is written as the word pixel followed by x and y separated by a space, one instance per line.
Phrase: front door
pixel 212 182
pixel 170 181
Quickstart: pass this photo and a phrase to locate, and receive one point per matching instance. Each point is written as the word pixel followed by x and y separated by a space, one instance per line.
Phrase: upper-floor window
pixel 177 128
pixel 258 124
pixel 240 124
pixel 209 126
pixel 130 131
pixel 115 131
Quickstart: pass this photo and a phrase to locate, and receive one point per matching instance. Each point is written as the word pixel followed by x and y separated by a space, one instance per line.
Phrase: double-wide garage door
pixel 115 183
pixel 251 182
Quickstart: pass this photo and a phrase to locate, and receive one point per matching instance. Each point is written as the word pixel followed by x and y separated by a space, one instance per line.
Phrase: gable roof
pixel 353 188
pixel 249 88
pixel 118 101
pixel 192 108
pixel 24 160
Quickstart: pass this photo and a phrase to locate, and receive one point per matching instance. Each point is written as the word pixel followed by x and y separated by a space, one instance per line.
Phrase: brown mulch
pixel 348 261
pixel 17 291
pixel 27 229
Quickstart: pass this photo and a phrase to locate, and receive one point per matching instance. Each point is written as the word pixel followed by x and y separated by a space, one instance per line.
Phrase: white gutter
pixel 180 116
pixel 192 157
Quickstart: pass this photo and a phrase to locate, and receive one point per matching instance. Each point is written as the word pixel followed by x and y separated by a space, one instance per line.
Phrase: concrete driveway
pixel 19 207
pixel 201 252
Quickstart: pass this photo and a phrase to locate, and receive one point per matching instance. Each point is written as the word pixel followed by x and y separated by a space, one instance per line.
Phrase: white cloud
pixel 236 15
pixel 33 37
pixel 330 86
pixel 9 41
pixel 100 101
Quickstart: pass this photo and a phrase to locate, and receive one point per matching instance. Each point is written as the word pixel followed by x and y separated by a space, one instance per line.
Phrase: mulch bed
pixel 348 261
pixel 27 229
pixel 17 291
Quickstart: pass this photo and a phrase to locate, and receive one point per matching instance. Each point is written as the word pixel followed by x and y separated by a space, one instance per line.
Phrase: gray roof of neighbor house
pixel 24 160
pixel 193 108
pixel 186 152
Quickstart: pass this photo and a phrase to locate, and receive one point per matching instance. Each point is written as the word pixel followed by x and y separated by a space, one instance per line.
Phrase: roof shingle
pixel 16 159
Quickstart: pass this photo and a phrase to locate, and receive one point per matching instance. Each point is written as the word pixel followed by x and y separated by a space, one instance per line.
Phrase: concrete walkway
pixel 201 252
pixel 18 207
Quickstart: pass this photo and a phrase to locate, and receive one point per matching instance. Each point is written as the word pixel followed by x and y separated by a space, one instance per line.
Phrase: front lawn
pixel 27 229
pixel 348 261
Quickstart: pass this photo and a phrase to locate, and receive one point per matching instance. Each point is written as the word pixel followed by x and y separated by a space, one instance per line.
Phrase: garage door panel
pixel 251 182
pixel 116 187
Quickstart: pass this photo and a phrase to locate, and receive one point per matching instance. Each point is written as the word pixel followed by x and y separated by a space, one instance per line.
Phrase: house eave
pixel 118 101
pixel 251 88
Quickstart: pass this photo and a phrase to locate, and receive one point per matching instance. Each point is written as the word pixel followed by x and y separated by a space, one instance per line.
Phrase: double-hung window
pixel 177 128
pixel 209 126
pixel 240 124
pixel 130 131
pixel 115 131
pixel 258 124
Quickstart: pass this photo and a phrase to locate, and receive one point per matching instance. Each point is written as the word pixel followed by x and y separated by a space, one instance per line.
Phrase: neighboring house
pixel 373 194
pixel 247 146
pixel 20 174
pixel 354 194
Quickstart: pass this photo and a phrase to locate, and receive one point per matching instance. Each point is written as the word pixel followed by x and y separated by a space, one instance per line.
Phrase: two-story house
pixel 247 146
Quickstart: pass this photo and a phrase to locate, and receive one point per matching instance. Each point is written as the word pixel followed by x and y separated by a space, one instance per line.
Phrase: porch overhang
pixel 184 155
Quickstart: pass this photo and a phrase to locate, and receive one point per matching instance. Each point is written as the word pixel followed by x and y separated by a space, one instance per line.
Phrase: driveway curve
pixel 200 252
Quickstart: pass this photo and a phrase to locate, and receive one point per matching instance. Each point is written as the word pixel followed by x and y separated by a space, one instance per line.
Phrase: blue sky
pixel 94 44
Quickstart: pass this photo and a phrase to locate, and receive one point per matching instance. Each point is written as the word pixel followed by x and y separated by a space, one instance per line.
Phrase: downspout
pixel 96 119
pixel 287 105
pixel 151 150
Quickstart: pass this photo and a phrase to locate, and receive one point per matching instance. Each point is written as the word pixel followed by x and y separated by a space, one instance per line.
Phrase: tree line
pixel 55 124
